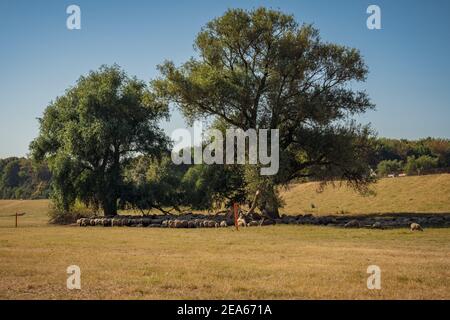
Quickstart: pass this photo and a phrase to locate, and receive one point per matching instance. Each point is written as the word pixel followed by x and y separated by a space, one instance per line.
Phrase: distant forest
pixel 20 178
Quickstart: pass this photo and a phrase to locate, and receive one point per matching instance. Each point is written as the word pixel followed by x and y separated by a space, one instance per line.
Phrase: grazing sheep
pixel 416 227
pixel 223 224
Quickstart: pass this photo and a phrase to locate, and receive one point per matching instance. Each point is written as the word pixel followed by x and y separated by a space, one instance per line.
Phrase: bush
pixel 421 164
pixel 386 167
pixel 67 217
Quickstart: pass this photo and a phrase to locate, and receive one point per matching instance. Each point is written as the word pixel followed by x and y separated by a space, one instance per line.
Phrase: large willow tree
pixel 261 69
pixel 89 134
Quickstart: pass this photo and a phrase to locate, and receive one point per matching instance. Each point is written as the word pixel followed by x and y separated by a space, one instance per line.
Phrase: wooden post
pixel 236 209
pixel 16 219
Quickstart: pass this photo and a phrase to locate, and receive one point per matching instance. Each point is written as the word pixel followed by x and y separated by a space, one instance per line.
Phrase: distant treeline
pixel 393 156
pixel 20 178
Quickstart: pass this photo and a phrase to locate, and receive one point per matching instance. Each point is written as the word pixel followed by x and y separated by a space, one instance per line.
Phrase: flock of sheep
pixel 168 222
pixel 207 221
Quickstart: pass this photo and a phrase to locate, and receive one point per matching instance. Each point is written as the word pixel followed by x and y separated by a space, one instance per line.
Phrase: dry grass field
pixel 272 262
pixel 430 193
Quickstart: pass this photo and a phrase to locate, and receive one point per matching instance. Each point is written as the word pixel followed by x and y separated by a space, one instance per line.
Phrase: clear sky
pixel 39 57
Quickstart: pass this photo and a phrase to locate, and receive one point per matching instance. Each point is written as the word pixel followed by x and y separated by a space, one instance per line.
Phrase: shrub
pixel 78 211
pixel 421 164
pixel 386 167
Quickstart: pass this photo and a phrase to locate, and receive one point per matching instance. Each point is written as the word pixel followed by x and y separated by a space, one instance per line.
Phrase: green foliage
pixel 386 167
pixel 21 179
pixel 77 211
pixel 420 165
pixel 211 186
pixel 269 199
pixel 152 183
pixel 394 149
pixel 91 132
pixel 261 69
pixel 102 148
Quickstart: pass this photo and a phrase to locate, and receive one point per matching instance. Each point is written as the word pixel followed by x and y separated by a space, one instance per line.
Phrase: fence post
pixel 16 219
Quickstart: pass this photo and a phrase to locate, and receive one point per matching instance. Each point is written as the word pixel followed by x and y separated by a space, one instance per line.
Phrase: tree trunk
pixel 270 208
pixel 109 206
pixel 271 212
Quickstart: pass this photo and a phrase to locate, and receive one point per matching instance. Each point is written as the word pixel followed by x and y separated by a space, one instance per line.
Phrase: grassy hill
pixel 430 193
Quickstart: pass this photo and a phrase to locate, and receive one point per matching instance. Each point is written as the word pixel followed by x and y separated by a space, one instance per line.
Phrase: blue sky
pixel 40 57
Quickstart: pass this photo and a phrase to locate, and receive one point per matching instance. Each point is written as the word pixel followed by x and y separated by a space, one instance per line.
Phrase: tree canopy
pixel 261 69
pixel 91 132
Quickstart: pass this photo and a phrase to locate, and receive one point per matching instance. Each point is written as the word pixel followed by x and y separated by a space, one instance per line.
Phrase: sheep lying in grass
pixel 211 224
pixel 191 224
pixel 184 224
pixel 83 222
pixel 416 227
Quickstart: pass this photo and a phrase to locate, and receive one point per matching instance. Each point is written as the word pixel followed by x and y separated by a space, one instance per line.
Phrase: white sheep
pixel 416 227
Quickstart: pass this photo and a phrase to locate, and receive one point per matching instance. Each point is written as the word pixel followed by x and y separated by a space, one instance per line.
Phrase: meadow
pixel 271 262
